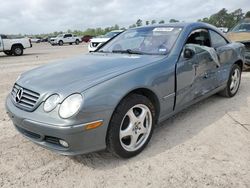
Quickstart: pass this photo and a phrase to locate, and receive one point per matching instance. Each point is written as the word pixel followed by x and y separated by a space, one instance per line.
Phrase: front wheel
pixel 131 126
pixel 233 83
pixel 60 43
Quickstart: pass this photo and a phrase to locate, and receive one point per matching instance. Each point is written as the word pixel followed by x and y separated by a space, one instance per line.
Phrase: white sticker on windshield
pixel 162 50
pixel 163 29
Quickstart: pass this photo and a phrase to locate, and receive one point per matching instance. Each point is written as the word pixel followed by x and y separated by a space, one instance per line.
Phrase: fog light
pixel 64 143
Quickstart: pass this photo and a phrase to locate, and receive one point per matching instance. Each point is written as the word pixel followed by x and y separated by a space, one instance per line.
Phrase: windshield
pixel 244 27
pixel 147 40
pixel 111 34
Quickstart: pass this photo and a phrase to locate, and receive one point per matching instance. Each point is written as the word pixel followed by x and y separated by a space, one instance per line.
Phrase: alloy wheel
pixel 135 127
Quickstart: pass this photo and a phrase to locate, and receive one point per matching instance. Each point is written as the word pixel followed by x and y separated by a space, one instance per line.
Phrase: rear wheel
pixel 17 50
pixel 233 83
pixel 131 126
pixel 9 53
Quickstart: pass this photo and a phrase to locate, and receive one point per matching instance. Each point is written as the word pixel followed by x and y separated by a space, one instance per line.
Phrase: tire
pixel 77 42
pixel 9 53
pixel 17 50
pixel 60 43
pixel 127 141
pixel 233 82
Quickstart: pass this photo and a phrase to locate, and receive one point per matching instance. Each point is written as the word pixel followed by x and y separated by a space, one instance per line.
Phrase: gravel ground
pixel 206 145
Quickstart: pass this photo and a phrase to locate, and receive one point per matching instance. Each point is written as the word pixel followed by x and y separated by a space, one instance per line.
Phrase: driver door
pixel 67 38
pixel 196 75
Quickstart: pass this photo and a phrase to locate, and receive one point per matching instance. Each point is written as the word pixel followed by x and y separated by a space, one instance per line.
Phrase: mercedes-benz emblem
pixel 19 95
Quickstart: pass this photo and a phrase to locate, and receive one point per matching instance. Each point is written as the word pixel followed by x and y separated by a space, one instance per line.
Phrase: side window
pixel 67 35
pixel 217 40
pixel 4 36
pixel 199 37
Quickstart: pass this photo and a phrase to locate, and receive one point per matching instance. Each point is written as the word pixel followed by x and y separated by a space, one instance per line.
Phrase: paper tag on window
pixel 163 29
pixel 162 50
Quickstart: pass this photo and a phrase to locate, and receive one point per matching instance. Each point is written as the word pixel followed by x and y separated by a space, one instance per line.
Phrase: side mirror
pixel 189 53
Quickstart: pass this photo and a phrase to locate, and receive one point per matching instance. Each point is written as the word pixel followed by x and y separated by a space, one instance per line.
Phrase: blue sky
pixel 43 16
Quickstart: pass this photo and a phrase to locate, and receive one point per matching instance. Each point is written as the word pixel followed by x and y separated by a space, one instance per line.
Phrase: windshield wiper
pixel 129 51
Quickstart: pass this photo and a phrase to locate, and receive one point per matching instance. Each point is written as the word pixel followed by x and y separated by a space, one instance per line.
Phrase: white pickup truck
pixel 13 46
pixel 65 39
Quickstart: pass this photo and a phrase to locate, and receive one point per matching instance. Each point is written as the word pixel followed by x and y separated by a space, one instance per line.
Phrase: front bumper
pixel 47 135
pixel 53 42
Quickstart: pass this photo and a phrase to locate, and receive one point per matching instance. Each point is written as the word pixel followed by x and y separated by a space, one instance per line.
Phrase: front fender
pixel 102 99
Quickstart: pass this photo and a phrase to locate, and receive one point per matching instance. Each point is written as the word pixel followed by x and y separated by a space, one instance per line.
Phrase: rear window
pixel 217 40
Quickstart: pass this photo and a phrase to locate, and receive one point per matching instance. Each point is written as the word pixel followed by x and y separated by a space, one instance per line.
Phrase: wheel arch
pixel 17 44
pixel 151 95
pixel 240 63
pixel 141 91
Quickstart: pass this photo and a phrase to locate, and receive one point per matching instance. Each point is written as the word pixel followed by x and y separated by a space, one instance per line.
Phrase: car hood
pixel 239 36
pixel 81 73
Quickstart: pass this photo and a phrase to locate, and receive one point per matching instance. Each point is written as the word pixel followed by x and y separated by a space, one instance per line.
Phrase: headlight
pixel 70 106
pixel 51 103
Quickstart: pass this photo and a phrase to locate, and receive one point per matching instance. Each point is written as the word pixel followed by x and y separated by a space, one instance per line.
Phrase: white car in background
pixel 14 46
pixel 96 42
pixel 35 40
pixel 65 39
pixel 223 29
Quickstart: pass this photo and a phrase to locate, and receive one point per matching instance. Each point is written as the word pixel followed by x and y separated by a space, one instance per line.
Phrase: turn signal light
pixel 93 125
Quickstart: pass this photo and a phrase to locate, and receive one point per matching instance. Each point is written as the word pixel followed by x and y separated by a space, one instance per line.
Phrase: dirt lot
pixel 207 145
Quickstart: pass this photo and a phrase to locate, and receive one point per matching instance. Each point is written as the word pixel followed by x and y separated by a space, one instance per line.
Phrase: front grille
pixel 28 98
pixel 247 45
pixel 95 44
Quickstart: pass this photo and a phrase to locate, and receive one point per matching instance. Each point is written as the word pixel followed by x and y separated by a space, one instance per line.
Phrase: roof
pixel 181 24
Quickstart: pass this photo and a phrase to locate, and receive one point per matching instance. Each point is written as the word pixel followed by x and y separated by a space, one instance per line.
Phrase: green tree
pixel 132 26
pixel 161 22
pixel 224 19
pixel 173 20
pixel 147 22
pixel 153 22
pixel 139 23
pixel 247 14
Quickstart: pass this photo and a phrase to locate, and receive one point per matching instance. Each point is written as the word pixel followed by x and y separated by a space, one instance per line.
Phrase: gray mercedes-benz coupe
pixel 112 98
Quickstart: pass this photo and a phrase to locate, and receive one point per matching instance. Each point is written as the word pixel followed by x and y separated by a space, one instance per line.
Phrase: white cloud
pixel 43 16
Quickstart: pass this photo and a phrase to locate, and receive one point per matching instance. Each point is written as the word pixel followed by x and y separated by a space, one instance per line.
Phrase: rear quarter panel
pixel 8 43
